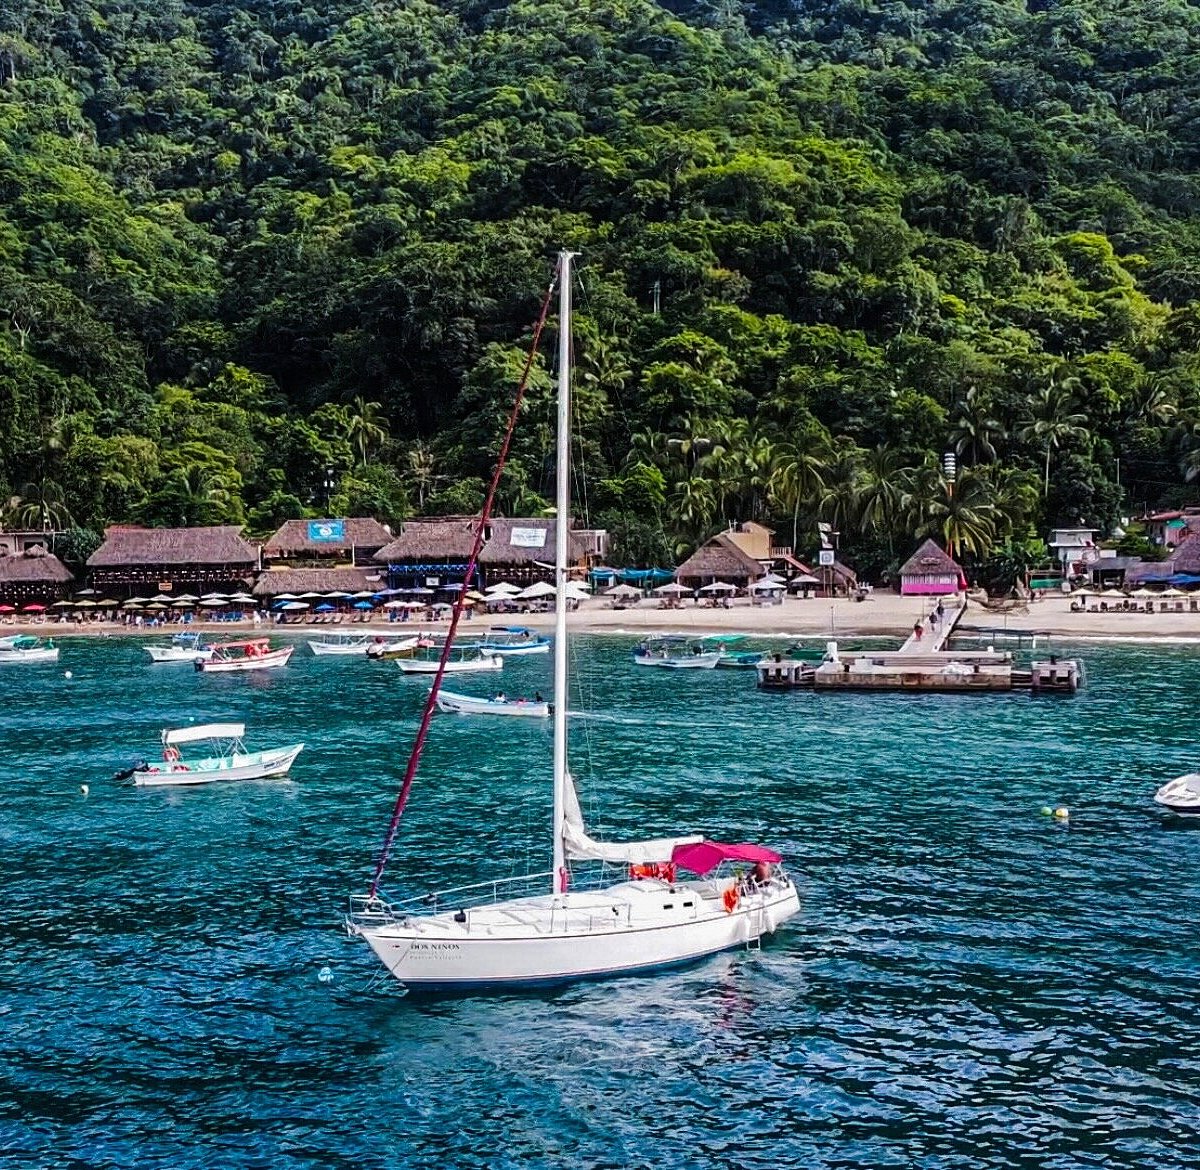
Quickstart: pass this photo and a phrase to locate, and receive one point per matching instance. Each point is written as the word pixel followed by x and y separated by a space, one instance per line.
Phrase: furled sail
pixel 579 846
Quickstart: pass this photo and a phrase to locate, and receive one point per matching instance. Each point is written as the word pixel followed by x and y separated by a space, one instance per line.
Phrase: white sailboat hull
pixel 248 766
pixel 513 651
pixel 628 929
pixel 473 705
pixel 41 654
pixel 175 654
pixel 421 666
pixel 690 662
pixel 230 665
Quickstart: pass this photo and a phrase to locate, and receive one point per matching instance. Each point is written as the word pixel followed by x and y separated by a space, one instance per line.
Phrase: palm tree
pixel 973 431
pixel 880 491
pixel 1053 420
pixel 366 427
pixel 200 494
pixel 421 464
pixel 962 515
pixel 796 477
pixel 37 505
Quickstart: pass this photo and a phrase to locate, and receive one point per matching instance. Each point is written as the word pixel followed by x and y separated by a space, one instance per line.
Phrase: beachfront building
pixel 1075 549
pixel 33 576
pixel 1170 528
pixel 315 584
pixel 432 552
pixel 719 559
pixel 756 540
pixel 1182 569
pixel 353 540
pixel 147 561
pixel 930 571
pixel 14 541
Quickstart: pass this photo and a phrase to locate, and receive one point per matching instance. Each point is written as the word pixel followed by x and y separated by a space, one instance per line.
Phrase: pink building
pixel 931 571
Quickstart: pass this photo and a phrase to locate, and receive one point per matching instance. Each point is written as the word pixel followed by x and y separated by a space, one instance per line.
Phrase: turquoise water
pixel 970 984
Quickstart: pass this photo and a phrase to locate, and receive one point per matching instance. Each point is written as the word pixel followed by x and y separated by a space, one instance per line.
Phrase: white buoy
pixel 84 789
pixel 325 975
pixel 67 674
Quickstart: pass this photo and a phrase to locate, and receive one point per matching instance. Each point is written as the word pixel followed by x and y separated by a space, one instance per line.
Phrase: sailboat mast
pixel 562 521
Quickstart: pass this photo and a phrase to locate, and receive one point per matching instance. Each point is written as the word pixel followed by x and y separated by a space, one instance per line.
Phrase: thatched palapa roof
pixel 930 560
pixel 222 545
pixel 294 538
pixel 35 566
pixel 514 541
pixel 276 581
pixel 1186 558
pixel 720 559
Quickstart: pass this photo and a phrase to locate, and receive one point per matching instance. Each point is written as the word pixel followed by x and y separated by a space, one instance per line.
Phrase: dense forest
pixel 262 259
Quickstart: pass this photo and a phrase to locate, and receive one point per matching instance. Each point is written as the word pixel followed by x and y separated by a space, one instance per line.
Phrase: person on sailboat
pixel 758 877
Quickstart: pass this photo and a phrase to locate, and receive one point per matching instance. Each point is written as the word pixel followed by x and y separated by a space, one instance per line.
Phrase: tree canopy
pixel 261 259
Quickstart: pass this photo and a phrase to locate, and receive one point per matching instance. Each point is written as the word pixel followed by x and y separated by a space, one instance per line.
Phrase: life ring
pixel 170 754
pixel 730 898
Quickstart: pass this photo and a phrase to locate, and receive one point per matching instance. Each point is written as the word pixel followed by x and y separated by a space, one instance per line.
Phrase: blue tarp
pixel 644 577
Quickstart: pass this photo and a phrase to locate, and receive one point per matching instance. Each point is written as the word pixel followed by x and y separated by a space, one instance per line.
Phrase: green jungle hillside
pixel 271 258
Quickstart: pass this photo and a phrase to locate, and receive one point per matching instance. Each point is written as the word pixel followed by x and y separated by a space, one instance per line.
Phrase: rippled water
pixel 970 984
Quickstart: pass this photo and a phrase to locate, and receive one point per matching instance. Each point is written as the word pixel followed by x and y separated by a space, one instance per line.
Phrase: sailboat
pixel 500 935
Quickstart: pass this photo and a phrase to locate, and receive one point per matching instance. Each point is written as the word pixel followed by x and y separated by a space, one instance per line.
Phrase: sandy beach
pixel 882 614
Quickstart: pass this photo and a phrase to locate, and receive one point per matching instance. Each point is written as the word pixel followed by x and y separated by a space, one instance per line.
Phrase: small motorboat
pixel 372 645
pixel 227 759
pixel 1181 795
pixel 383 648
pixel 463 660
pixel 251 654
pixel 459 704
pixel 183 648
pixel 514 640
pixel 676 653
pixel 25 648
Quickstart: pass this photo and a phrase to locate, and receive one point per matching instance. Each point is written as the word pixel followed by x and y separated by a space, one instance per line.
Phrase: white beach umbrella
pixel 285 596
pixel 536 590
pixel 1173 592
pixel 573 591
pixel 212 602
pixel 1143 592
pixel 1111 591
pixel 673 588
pixel 187 597
pixel 503 587
pixel 719 587
pixel 767 585
pixel 292 605
pixel 622 591
pixel 241 597
pixel 162 597
pixel 395 605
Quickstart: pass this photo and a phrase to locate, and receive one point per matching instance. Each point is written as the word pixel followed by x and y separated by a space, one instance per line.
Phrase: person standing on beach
pixel 918 631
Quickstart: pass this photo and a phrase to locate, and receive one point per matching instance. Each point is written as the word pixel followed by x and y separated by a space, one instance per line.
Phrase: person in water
pixel 501 697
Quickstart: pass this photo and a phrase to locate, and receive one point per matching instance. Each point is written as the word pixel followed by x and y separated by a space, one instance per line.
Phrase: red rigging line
pixel 414 757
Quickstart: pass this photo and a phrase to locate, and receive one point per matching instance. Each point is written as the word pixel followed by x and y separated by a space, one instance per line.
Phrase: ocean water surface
pixel 969 984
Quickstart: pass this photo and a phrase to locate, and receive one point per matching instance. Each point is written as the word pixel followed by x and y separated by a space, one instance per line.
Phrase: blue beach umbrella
pixel 324 609
pixel 363 605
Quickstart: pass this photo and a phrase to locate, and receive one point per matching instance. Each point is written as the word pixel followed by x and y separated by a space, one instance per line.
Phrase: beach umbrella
pixel 766 585
pixel 1143 592
pixel 396 605
pixel 325 607
pixel 285 596
pixel 336 594
pixel 214 596
pixel 134 605
pixel 363 605
pixel 187 597
pixel 212 602
pixel 86 603
pixel 363 593
pixel 36 607
pixel 181 604
pixel 85 592
pixel 107 601
pixel 503 587
pixel 61 604
pixel 1173 592
pixel 8 609
pixel 155 605
pixel 241 597
pixel 162 597
pixel 622 591
pixel 417 592
pixel 719 587
pixel 573 591
pixel 673 588
pixel 1111 591
pixel 291 605
pixel 474 595
pixel 536 590
pixel 806 579
pixel 137 601
pixel 311 596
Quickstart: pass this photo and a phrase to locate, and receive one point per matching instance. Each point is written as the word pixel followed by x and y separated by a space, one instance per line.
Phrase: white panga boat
pixel 1181 795
pixel 227 759
pixel 536 708
pixel 25 648
pixel 251 654
pixel 351 642
pixel 676 652
pixel 396 647
pixel 463 660
pixel 183 648
pixel 512 641
pixel 497 935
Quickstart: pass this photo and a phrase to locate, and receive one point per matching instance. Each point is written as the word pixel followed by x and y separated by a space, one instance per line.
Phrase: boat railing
pixel 365 909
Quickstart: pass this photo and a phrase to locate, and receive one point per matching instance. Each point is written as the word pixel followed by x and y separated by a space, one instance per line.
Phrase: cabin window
pixel 668 905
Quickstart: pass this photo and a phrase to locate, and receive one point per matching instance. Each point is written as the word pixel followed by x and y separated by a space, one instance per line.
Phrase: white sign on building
pixel 528 538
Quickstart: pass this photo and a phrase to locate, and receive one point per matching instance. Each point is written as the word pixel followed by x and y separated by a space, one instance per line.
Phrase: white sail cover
pixel 204 731
pixel 578 846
